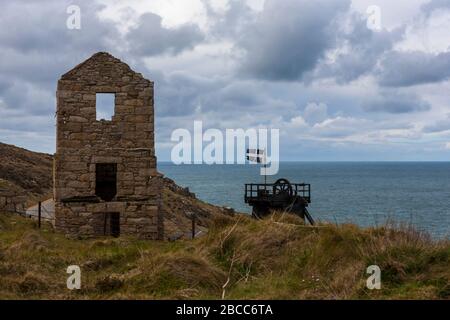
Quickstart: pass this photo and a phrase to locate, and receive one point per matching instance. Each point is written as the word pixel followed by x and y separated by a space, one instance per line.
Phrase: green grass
pixel 240 258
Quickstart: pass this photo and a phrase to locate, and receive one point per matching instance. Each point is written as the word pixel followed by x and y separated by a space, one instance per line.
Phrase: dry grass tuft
pixel 31 241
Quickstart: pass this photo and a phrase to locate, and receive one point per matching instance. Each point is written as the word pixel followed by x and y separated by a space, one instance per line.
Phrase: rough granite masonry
pixel 105 177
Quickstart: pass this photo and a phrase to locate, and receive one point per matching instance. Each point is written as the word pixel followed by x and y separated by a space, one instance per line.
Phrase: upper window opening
pixel 104 105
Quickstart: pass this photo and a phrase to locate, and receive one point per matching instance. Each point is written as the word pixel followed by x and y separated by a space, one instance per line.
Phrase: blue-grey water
pixel 365 193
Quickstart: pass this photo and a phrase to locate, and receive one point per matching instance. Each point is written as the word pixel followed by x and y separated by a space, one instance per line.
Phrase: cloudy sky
pixel 336 88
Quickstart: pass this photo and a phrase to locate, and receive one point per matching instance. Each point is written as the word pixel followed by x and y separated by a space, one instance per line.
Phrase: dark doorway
pixel 107 224
pixel 112 224
pixel 106 180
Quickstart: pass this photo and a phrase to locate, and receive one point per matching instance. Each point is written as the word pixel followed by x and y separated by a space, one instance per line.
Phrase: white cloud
pixel 298 122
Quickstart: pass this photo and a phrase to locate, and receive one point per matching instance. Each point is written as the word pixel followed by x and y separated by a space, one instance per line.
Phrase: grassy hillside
pixel 277 258
pixel 27 170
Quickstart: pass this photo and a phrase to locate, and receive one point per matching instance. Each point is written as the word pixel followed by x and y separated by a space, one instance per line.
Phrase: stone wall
pixel 127 140
pixel 12 197
pixel 138 218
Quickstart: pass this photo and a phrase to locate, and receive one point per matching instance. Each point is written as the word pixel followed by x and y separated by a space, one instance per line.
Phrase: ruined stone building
pixel 105 177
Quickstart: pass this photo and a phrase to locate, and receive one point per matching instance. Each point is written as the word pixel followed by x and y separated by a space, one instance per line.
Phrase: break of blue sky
pixel 336 89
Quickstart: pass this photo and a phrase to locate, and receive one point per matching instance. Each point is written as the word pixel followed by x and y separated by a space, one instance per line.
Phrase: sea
pixel 363 193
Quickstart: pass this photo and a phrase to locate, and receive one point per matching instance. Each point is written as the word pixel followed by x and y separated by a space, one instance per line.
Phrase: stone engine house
pixel 105 177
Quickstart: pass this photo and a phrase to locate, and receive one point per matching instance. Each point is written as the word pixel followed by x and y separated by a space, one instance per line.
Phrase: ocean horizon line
pixel 316 161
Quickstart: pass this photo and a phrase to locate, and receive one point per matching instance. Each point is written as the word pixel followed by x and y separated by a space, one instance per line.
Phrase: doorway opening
pixel 107 224
pixel 106 180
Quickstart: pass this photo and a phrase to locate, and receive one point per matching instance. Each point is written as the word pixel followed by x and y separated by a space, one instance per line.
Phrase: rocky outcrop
pixel 179 205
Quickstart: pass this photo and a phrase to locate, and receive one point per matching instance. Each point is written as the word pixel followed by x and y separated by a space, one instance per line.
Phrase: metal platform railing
pixel 266 191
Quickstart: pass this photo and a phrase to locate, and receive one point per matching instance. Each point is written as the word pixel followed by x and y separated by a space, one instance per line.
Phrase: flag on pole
pixel 256 155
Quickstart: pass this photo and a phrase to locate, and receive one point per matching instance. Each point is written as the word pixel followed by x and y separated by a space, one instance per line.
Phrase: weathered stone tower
pixel 105 177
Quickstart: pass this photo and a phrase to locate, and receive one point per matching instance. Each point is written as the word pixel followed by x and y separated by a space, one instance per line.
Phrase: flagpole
pixel 265 174
pixel 258 156
pixel 264 162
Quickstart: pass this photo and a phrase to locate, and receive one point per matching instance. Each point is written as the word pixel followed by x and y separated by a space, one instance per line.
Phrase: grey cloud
pixel 232 22
pixel 315 113
pixel 364 49
pixel 151 38
pixel 285 42
pixel 289 38
pixel 439 126
pixel 4 85
pixel 25 28
pixel 29 99
pixel 394 102
pixel 237 99
pixel 41 26
pixel 36 47
pixel 399 69
pixel 241 94
pixel 433 5
pixel 180 94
